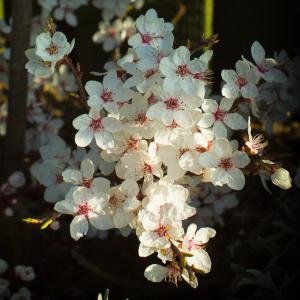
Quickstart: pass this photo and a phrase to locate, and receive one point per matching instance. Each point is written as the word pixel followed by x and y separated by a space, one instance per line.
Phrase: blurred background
pixel 262 233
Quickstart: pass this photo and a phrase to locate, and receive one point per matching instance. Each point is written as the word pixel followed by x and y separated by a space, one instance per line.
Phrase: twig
pixel 180 13
pixel 205 43
pixel 78 77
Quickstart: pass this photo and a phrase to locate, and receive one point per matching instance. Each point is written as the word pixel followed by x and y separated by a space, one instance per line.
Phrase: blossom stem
pixel 78 77
pixel 205 43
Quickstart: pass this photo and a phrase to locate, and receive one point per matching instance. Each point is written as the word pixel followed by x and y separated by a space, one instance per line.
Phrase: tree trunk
pixel 13 155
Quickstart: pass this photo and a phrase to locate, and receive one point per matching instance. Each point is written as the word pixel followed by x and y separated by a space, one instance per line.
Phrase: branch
pixel 205 43
pixel 78 77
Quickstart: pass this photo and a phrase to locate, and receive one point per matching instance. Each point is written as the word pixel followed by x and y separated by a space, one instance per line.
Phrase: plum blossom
pixel 241 82
pixel 85 177
pixel 225 164
pixel 220 115
pixel 151 30
pixel 139 165
pixel 160 228
pixel 65 11
pixel 112 35
pixel 123 203
pixel 158 273
pixel 108 94
pixel 111 8
pixel 38 66
pixel 52 48
pixel 221 199
pixel 94 125
pixel 174 107
pixel 266 66
pixel 135 117
pixel 183 74
pixel 193 243
pixel 86 208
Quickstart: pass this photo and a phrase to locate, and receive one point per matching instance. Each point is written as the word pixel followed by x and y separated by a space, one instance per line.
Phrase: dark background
pixel 80 270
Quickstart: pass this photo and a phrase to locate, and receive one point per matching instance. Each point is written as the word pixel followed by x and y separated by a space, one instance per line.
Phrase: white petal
pixel 240 159
pixel 79 227
pixel 200 261
pixel 87 168
pixel 84 137
pixel 156 273
pixel 72 176
pixel 101 184
pixel 102 221
pixel 204 234
pixel 235 121
pixel 94 88
pixel 220 130
pixel 236 179
pixel 112 124
pixel 258 52
pixel 207 160
pixel 104 140
pixel 206 121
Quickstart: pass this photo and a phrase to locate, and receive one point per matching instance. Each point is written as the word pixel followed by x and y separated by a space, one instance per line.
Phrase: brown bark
pixel 13 154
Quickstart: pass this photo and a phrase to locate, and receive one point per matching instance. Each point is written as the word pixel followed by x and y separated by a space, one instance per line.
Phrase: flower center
pixel 141 118
pixel 147 38
pixel 52 49
pixel 172 103
pixel 68 9
pixel 147 168
pixel 225 163
pixel 262 68
pixel 111 32
pixel 241 81
pixel 174 274
pixel 219 115
pixel 46 64
pixel 131 144
pixel 107 96
pixel 200 149
pixel 83 209
pixel 115 201
pixel 183 71
pixel 173 125
pixel 162 231
pixel 96 124
pixel 182 151
pixel 87 183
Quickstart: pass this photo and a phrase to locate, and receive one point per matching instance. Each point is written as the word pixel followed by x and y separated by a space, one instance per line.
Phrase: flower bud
pixel 281 177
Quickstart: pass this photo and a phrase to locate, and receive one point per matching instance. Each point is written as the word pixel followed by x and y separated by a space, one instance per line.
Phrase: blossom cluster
pixel 157 138
pixel 25 273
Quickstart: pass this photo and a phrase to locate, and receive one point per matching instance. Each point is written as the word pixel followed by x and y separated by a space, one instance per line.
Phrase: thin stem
pixel 78 77
pixel 205 43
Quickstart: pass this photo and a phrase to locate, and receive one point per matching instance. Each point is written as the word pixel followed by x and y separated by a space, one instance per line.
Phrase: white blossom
pixel 225 164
